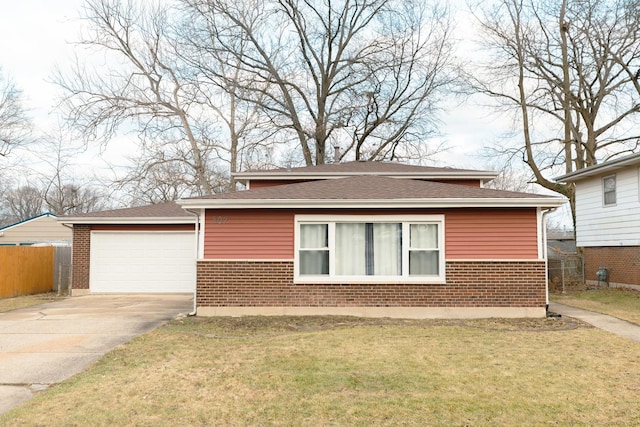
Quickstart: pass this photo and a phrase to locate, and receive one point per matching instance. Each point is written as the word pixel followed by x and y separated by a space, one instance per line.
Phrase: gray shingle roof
pixel 357 189
pixel 161 210
pixel 368 188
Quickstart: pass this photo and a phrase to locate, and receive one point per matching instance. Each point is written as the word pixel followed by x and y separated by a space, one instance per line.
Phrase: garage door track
pixel 45 344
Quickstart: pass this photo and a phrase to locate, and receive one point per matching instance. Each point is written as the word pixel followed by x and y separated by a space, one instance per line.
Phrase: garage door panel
pixel 142 262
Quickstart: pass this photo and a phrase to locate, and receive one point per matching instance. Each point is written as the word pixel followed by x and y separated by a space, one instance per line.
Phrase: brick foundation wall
pixel 623 263
pixel 469 284
pixel 81 252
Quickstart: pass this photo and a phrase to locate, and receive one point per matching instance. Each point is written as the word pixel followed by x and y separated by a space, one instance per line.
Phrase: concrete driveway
pixel 45 344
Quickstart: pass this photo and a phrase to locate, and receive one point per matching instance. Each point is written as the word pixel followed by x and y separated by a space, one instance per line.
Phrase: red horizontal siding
pixel 273 182
pixel 491 234
pixel 469 233
pixel 248 234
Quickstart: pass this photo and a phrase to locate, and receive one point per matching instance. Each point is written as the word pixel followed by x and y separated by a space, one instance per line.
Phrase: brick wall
pixel 623 263
pixel 81 251
pixel 469 284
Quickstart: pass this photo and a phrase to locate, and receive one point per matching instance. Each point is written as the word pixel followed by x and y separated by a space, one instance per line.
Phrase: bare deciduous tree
pixel 69 199
pixel 159 178
pixel 143 87
pixel 24 202
pixel 14 123
pixel 186 116
pixel 365 74
pixel 569 71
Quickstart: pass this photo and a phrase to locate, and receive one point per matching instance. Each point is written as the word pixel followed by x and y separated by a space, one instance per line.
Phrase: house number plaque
pixel 220 219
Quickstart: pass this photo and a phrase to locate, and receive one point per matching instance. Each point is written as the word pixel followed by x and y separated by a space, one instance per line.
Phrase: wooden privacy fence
pixel 26 270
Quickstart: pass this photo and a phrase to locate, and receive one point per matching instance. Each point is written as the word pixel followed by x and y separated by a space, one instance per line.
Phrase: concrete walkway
pixel 45 344
pixel 601 321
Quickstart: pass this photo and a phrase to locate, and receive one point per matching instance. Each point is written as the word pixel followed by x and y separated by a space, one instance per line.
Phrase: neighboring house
pixel 357 238
pixel 608 219
pixel 560 243
pixel 43 228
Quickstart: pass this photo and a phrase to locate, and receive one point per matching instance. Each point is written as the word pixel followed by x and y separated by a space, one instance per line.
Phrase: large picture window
pixel 379 248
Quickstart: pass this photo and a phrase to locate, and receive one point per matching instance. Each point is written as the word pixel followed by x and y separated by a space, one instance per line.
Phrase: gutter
pixel 197 239
pixel 70 287
pixel 545 254
pixel 439 203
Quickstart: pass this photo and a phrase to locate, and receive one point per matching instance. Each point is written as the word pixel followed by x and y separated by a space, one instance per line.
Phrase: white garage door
pixel 150 262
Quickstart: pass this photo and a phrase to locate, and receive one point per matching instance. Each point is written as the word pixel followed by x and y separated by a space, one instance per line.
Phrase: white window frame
pixel 604 190
pixel 405 220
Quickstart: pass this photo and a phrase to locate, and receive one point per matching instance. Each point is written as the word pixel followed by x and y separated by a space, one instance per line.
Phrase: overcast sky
pixel 38 35
pixel 35 36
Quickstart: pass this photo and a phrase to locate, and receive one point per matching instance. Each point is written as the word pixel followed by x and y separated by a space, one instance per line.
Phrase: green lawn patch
pixel 334 371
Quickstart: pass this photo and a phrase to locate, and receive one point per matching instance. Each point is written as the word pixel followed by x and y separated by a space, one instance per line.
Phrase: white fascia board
pixel 125 220
pixel 546 202
pixel 600 169
pixel 488 175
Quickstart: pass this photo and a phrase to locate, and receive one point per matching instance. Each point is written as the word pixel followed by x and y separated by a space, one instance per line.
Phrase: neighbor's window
pixel 609 190
pixel 369 248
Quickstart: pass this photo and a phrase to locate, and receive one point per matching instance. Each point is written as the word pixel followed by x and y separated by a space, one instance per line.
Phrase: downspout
pixel 543 224
pixel 197 239
pixel 70 284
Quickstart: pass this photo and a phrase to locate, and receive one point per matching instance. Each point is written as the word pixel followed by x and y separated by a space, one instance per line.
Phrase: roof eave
pixel 126 220
pixel 480 175
pixel 538 202
pixel 600 169
pixel 34 218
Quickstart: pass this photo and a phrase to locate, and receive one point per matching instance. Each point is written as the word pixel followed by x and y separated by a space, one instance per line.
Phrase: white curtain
pixel 425 261
pixel 313 236
pixel 350 249
pixel 314 251
pixel 387 249
pixel 424 236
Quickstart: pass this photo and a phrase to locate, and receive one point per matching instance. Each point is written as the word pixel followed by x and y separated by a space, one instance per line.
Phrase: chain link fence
pixel 565 270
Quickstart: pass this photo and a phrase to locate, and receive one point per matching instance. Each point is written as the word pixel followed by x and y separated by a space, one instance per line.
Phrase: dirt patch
pixel 230 327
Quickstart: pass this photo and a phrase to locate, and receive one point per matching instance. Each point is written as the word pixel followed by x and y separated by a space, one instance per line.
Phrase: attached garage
pixel 148 249
pixel 142 262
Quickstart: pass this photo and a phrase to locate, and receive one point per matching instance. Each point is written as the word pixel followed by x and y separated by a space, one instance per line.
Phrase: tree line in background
pixel 212 87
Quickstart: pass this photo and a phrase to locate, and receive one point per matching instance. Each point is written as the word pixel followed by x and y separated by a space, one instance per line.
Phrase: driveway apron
pixel 46 344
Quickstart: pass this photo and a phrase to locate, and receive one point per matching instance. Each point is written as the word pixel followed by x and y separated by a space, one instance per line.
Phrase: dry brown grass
pixel 618 302
pixel 330 371
pixel 9 304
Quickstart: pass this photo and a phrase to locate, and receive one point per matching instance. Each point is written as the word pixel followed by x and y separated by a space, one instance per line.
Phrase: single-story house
pixel 355 238
pixel 43 228
pixel 608 220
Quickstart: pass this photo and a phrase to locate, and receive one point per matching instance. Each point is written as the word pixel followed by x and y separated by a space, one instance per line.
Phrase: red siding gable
pixel 262 183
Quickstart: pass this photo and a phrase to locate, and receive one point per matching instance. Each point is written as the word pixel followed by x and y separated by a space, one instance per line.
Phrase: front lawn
pixel 618 302
pixel 335 371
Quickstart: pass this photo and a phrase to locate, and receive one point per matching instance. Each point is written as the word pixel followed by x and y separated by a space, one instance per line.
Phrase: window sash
pixel 609 190
pixel 374 249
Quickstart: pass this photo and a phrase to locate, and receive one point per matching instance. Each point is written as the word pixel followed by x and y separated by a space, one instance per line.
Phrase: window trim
pixel 615 190
pixel 405 220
